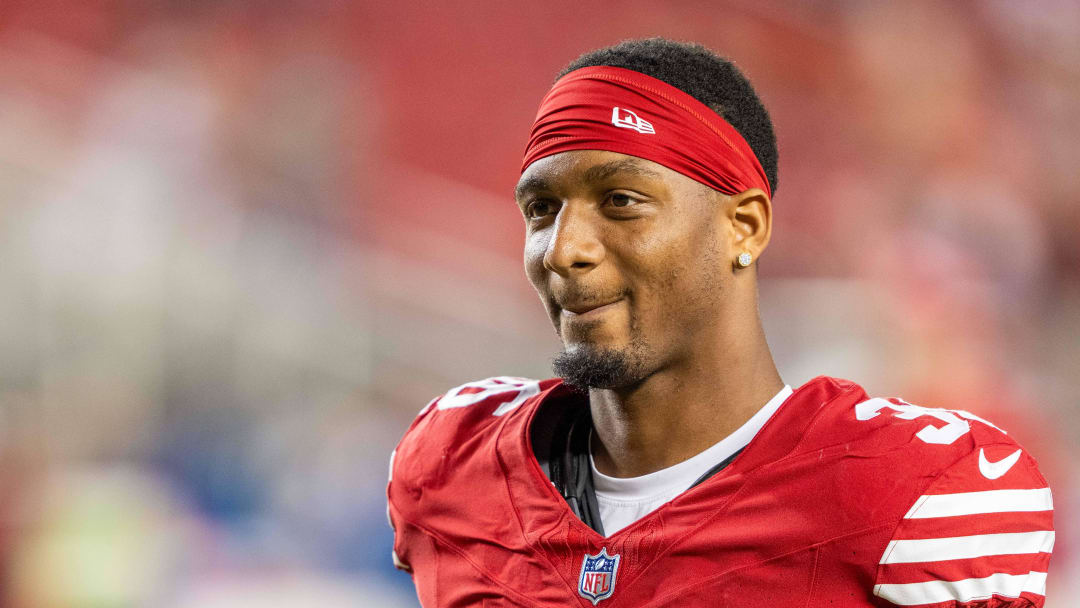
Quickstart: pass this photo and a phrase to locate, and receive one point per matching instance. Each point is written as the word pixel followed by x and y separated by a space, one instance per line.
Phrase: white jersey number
pixel 956 421
pixel 475 392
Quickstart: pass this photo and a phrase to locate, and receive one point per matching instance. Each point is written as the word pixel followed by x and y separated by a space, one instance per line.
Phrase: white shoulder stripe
pixel 974 503
pixel 932 592
pixel 964 547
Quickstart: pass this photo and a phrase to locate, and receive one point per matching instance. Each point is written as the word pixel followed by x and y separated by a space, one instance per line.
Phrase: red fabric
pixel 804 516
pixel 664 125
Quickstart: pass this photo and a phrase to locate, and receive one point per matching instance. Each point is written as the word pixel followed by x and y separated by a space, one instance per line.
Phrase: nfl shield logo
pixel 597 581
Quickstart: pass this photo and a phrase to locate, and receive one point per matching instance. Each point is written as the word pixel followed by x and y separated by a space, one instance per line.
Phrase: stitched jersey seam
pixel 675 593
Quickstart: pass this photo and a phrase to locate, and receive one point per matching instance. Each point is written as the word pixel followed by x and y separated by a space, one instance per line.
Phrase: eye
pixel 539 208
pixel 622 199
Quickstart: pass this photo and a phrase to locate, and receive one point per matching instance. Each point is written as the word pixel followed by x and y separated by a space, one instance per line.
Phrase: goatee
pixel 584 367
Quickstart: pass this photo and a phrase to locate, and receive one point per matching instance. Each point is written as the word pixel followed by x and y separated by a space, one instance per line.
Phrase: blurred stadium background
pixel 242 243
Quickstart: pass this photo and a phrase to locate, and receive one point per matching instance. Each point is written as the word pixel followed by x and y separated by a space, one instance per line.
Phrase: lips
pixel 582 308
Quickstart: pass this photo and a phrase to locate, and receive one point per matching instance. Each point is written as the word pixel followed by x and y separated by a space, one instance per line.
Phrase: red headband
pixel 620 110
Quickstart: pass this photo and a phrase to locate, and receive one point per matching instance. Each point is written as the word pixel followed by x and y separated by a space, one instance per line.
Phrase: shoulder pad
pixel 460 420
pixel 472 405
pixel 983 530
pixel 975 515
pixel 935 426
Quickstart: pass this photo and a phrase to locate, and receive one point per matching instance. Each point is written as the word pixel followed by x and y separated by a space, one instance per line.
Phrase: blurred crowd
pixel 243 243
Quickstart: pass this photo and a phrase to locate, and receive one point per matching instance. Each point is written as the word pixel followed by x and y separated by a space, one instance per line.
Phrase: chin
pixel 588 365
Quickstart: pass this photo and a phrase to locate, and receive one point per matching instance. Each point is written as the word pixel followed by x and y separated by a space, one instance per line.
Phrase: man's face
pixel 630 258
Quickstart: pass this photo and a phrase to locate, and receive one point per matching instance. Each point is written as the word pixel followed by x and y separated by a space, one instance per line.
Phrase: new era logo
pixel 621 117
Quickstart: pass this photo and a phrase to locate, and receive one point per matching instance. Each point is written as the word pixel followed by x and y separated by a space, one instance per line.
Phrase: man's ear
pixel 750 214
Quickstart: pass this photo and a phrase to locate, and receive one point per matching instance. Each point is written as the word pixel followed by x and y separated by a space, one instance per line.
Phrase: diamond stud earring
pixel 744 259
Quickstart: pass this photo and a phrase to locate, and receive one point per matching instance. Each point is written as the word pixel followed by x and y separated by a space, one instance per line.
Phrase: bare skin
pixel 631 257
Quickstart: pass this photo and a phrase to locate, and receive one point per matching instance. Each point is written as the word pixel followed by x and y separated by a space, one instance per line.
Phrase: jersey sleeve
pixel 399 552
pixel 450 427
pixel 980 535
pixel 398 563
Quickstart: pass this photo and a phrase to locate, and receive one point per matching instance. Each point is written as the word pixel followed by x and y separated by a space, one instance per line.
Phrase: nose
pixel 574 246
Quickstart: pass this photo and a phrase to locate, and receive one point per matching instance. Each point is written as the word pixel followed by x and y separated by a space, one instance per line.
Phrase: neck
pixel 686 407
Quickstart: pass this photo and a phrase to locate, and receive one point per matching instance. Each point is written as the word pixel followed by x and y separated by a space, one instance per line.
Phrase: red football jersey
pixel 840 500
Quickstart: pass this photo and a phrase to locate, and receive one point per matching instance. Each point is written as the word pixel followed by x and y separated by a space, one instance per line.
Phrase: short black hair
pixel 697 71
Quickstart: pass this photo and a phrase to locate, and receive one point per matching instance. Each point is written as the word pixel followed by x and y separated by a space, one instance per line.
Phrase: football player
pixel 669 465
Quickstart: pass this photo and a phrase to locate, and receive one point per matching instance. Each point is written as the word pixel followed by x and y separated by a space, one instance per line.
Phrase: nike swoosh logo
pixel 993 470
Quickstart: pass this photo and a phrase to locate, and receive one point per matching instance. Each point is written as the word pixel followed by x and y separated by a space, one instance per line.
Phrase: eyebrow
pixel 625 165
pixel 592 174
pixel 529 184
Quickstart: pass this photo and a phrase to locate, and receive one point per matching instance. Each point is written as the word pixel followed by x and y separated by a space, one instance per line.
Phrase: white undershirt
pixel 624 500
